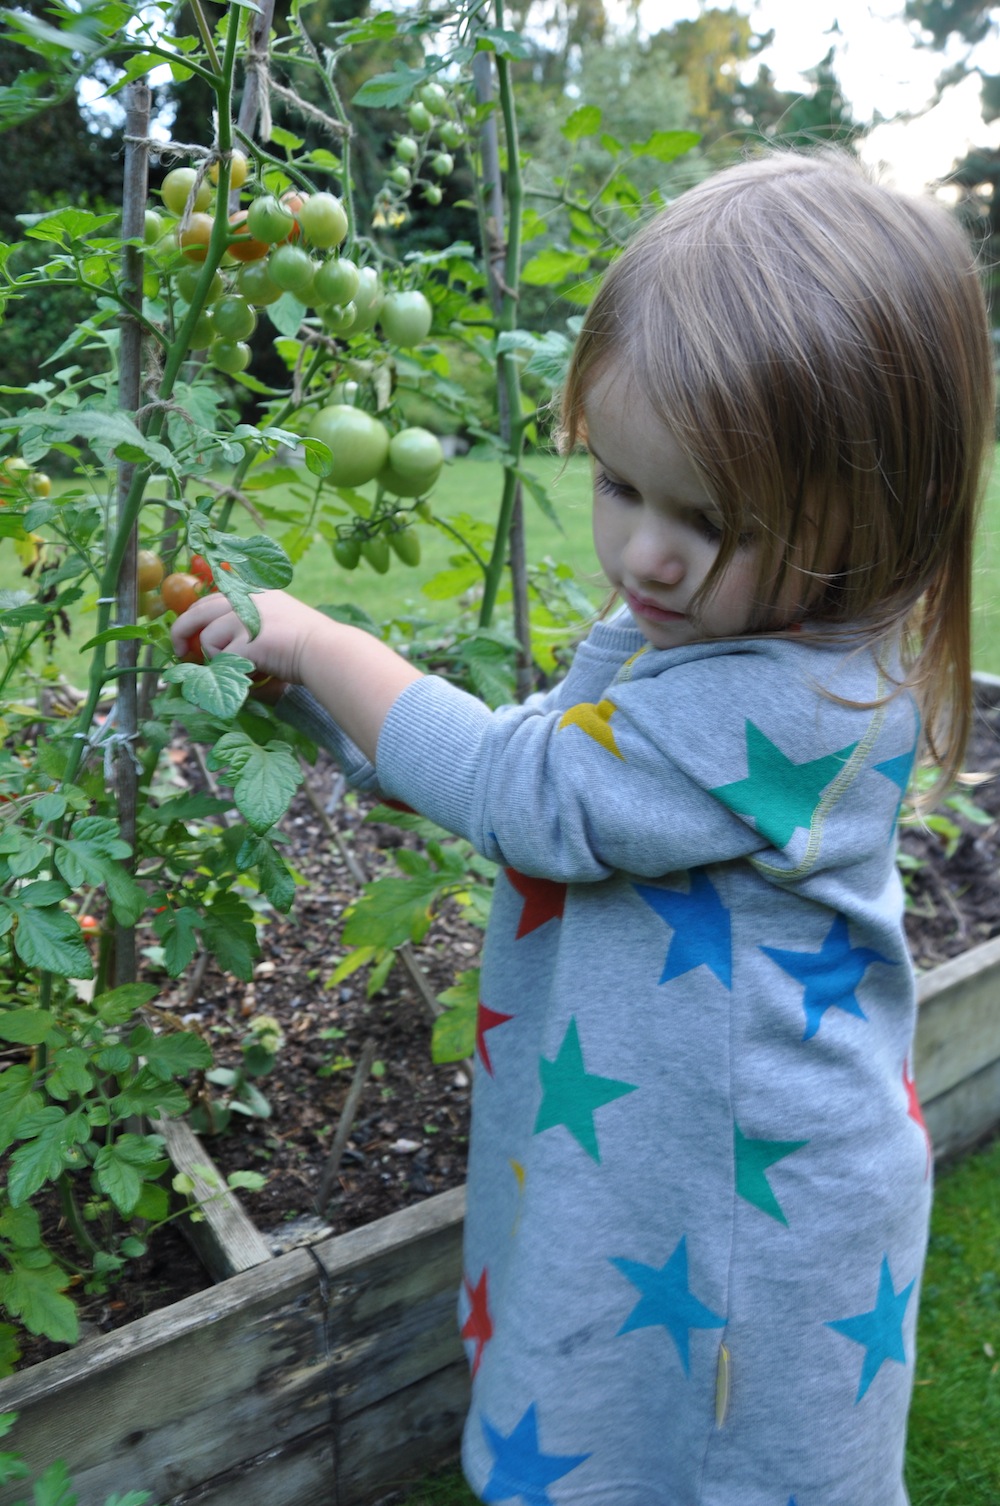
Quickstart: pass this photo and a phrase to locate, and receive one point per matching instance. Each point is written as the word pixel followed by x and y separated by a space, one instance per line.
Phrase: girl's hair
pixel 818 344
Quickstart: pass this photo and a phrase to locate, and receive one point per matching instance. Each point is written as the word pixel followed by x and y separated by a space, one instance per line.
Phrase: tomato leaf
pixel 454 1034
pixel 34 1294
pixel 51 1138
pixel 263 779
pixel 387 90
pixel 27 1027
pixel 219 687
pixel 50 938
pixel 586 121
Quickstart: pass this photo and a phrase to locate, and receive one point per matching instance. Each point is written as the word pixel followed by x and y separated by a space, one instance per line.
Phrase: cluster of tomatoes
pixel 17 478
pixel 435 137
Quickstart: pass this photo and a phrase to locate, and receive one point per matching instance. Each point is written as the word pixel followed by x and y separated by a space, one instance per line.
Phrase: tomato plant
pixel 156 442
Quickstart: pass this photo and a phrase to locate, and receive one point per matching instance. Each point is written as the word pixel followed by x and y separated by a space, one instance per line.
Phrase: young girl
pixel 699 1177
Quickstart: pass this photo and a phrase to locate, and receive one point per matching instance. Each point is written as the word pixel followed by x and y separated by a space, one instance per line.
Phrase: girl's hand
pixel 290 633
pixel 353 675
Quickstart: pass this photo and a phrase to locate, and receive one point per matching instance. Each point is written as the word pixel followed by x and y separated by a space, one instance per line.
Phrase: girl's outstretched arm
pixel 351 674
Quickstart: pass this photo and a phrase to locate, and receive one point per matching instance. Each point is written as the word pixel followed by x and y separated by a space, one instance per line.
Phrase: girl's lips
pixel 640 607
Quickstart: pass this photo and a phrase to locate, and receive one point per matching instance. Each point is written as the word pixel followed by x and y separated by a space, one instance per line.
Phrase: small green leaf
pixel 27 1027
pixel 49 938
pixel 387 91
pixel 586 121
pixel 454 1033
pixel 264 779
pixel 218 687
pixel 666 146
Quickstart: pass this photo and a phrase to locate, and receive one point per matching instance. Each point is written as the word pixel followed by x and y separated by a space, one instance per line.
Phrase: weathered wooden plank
pixel 226 1240
pixel 409 1434
pixel 965 1114
pixel 958 1024
pixel 300 1473
pixel 185 1394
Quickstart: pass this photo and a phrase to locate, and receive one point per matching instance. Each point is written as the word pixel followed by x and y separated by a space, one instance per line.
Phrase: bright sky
pixel 880 72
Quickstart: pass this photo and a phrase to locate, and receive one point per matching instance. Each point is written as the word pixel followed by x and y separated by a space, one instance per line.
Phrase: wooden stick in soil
pixel 134 190
pixel 345 1124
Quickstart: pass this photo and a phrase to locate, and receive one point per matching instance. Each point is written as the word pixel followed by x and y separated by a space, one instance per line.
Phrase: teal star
pixel 521 1470
pixel 879 1331
pixel 667 1300
pixel 780 795
pixel 830 976
pixel 570 1094
pixel 701 926
pixel 753 1157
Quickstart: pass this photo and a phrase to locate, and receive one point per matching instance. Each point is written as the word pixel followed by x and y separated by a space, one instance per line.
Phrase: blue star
pixel 830 976
pixel 521 1470
pixel 880 1331
pixel 898 770
pixel 667 1300
pixel 701 926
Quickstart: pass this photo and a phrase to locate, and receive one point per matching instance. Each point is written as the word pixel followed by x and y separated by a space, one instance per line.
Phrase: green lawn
pixel 469 487
pixel 953 1455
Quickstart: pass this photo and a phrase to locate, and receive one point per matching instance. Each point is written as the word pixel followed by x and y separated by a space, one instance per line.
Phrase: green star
pixel 780 795
pixel 753 1157
pixel 570 1094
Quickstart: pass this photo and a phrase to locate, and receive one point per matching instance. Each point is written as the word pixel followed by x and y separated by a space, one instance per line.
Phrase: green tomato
pixel 406 543
pixel 450 135
pixel 233 317
pixel 435 98
pixel 368 298
pixel 269 221
pixel 432 194
pixel 187 280
pixel 399 175
pixel 339 318
pixel 229 356
pixel 345 392
pixel 323 220
pixel 202 334
pixel 347 551
pixel 406 318
pixel 292 270
pixel 443 164
pixel 419 117
pixel 376 552
pixel 406 149
pixel 153 227
pixel 358 443
pixel 336 281
pixel 177 185
pixel 253 281
pixel 413 464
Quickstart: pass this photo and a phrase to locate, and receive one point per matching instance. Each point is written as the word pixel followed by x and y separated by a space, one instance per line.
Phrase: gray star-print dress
pixel 699 1180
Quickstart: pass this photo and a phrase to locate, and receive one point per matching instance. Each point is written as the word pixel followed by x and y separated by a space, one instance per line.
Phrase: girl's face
pixel 657 530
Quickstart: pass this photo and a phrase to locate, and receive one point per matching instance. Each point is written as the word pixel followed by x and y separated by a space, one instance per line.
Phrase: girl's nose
pixel 654 553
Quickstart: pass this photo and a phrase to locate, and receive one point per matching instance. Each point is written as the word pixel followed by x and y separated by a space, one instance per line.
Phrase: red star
pixel 487 1019
pixel 543 900
pixel 478 1326
pixel 914 1110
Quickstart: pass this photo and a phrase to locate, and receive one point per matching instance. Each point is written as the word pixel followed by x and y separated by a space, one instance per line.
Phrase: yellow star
pixel 595 721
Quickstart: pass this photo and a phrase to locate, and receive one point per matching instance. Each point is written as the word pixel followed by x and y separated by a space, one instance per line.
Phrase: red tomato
pixel 245 247
pixel 89 925
pixel 180 590
pixel 201 569
pixel 193 653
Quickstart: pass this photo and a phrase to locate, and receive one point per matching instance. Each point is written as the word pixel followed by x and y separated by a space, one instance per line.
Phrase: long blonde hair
pixel 818 343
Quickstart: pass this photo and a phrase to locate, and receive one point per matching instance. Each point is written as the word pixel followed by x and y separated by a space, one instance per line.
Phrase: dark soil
pixel 408 1139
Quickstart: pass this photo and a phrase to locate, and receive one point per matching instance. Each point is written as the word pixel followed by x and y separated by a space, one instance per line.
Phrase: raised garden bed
pixel 333 1373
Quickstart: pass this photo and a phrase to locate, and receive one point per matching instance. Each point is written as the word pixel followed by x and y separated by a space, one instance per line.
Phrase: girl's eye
pixel 612 488
pixel 710 527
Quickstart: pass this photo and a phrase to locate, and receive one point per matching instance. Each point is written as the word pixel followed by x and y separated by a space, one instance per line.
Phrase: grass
pixel 468 487
pixel 953 1453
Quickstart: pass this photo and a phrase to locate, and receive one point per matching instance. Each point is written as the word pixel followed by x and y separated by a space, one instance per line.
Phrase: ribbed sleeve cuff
pixel 303 712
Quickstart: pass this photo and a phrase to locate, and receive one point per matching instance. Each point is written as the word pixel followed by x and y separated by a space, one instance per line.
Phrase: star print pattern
pixel 555 1303
pixel 544 900
pixel 780 795
pixel 916 1113
pixel 753 1158
pixel 478 1326
pixel 571 1095
pixel 667 1301
pixel 831 976
pixel 701 927
pixel 595 721
pixel 521 1470
pixel 880 1331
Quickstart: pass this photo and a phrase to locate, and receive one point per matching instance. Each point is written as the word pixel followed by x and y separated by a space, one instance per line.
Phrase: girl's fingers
pixel 197 617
